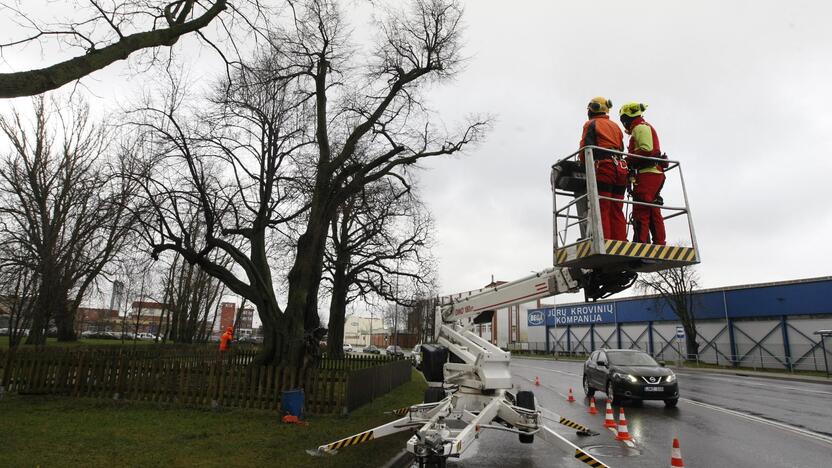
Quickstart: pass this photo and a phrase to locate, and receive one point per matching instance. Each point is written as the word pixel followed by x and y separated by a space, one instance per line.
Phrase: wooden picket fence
pixel 197 377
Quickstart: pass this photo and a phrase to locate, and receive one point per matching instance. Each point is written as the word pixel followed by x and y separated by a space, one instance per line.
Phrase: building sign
pixel 583 314
pixel 537 317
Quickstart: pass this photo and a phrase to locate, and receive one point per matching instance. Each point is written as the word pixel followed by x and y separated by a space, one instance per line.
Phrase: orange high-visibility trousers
pixel 647 220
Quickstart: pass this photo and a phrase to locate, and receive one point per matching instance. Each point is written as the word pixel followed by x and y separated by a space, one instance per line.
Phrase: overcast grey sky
pixel 738 91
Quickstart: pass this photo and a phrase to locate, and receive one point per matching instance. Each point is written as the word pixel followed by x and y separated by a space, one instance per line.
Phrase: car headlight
pixel 671 378
pixel 627 377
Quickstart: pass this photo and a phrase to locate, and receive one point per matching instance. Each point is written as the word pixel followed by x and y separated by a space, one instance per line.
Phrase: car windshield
pixel 631 359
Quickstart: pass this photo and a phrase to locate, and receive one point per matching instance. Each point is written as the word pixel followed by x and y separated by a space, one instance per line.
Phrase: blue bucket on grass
pixel 292 403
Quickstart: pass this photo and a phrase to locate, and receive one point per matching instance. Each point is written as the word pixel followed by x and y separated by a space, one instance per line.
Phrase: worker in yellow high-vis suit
pixel 648 177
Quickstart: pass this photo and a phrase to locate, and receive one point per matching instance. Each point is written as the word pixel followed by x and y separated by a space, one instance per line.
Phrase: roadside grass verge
pixel 54 431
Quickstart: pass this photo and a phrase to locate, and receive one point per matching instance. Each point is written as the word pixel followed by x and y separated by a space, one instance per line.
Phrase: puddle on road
pixel 612 451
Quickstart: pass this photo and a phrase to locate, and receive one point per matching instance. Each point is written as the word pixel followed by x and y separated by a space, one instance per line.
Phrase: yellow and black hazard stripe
pixel 658 252
pixel 561 255
pixel 588 459
pixel 581 250
pixel 573 424
pixel 401 411
pixel 354 440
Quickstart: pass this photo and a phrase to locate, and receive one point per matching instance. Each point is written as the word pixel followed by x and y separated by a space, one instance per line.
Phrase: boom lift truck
pixel 470 388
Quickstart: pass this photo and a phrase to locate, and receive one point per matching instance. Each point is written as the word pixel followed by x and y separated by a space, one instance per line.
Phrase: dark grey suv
pixel 629 374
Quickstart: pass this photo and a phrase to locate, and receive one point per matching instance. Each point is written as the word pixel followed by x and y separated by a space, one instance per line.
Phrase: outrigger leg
pixel 416 416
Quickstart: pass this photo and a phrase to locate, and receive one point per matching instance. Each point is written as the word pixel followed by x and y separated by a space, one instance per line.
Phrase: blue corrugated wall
pixel 775 300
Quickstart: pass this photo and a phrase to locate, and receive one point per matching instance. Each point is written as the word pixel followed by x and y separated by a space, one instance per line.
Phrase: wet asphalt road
pixel 721 421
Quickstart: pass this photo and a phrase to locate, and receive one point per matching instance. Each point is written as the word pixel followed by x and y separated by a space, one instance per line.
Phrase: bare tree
pixel 378 248
pixel 675 288
pixel 370 123
pixel 191 295
pixel 64 207
pixel 131 269
pixel 293 135
pixel 422 315
pixel 102 32
pixel 222 182
pixel 18 287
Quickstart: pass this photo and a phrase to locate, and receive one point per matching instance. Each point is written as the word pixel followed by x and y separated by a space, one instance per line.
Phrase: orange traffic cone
pixel 537 381
pixel 623 433
pixel 609 418
pixel 570 398
pixel 676 455
pixel 592 408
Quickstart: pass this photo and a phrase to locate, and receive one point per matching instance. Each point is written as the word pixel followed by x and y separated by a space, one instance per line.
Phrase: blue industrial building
pixel 760 325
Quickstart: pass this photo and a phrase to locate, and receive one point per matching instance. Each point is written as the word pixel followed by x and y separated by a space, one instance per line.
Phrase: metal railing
pixel 591 217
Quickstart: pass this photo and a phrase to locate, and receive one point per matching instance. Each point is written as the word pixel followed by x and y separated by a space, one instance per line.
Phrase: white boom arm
pixel 546 283
pixel 485 366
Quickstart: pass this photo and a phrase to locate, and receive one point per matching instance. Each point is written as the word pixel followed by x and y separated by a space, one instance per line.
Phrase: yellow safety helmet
pixel 599 104
pixel 632 109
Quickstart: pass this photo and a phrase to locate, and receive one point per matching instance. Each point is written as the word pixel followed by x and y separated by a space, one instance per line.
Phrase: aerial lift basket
pixel 577 229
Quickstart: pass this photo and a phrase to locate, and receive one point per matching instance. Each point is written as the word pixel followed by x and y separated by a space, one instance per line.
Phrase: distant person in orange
pixel 225 339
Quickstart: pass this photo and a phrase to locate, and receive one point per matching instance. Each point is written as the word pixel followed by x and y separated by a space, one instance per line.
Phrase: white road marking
pixel 786 427
pixel 547 370
pixel 544 386
pixel 628 443
pixel 740 379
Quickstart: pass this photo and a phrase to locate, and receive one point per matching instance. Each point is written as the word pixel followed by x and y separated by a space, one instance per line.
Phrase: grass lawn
pixel 53 431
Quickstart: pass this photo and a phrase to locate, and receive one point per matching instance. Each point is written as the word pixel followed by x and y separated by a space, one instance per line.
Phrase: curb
pixel 402 460
pixel 739 373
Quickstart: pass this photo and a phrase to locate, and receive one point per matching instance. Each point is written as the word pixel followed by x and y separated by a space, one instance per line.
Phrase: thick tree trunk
pixel 337 308
pixel 65 322
pixel 691 344
pixel 282 338
pixel 36 331
pixel 684 310
pixel 335 336
pixel 65 311
pixel 305 276
pixel 44 307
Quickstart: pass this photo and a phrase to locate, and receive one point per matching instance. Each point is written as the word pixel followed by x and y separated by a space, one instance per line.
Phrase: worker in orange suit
pixel 648 176
pixel 610 169
pixel 225 339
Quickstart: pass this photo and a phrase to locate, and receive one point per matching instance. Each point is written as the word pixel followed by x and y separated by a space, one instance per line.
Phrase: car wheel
pixel 525 399
pixel 611 393
pixel 671 403
pixel 588 391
